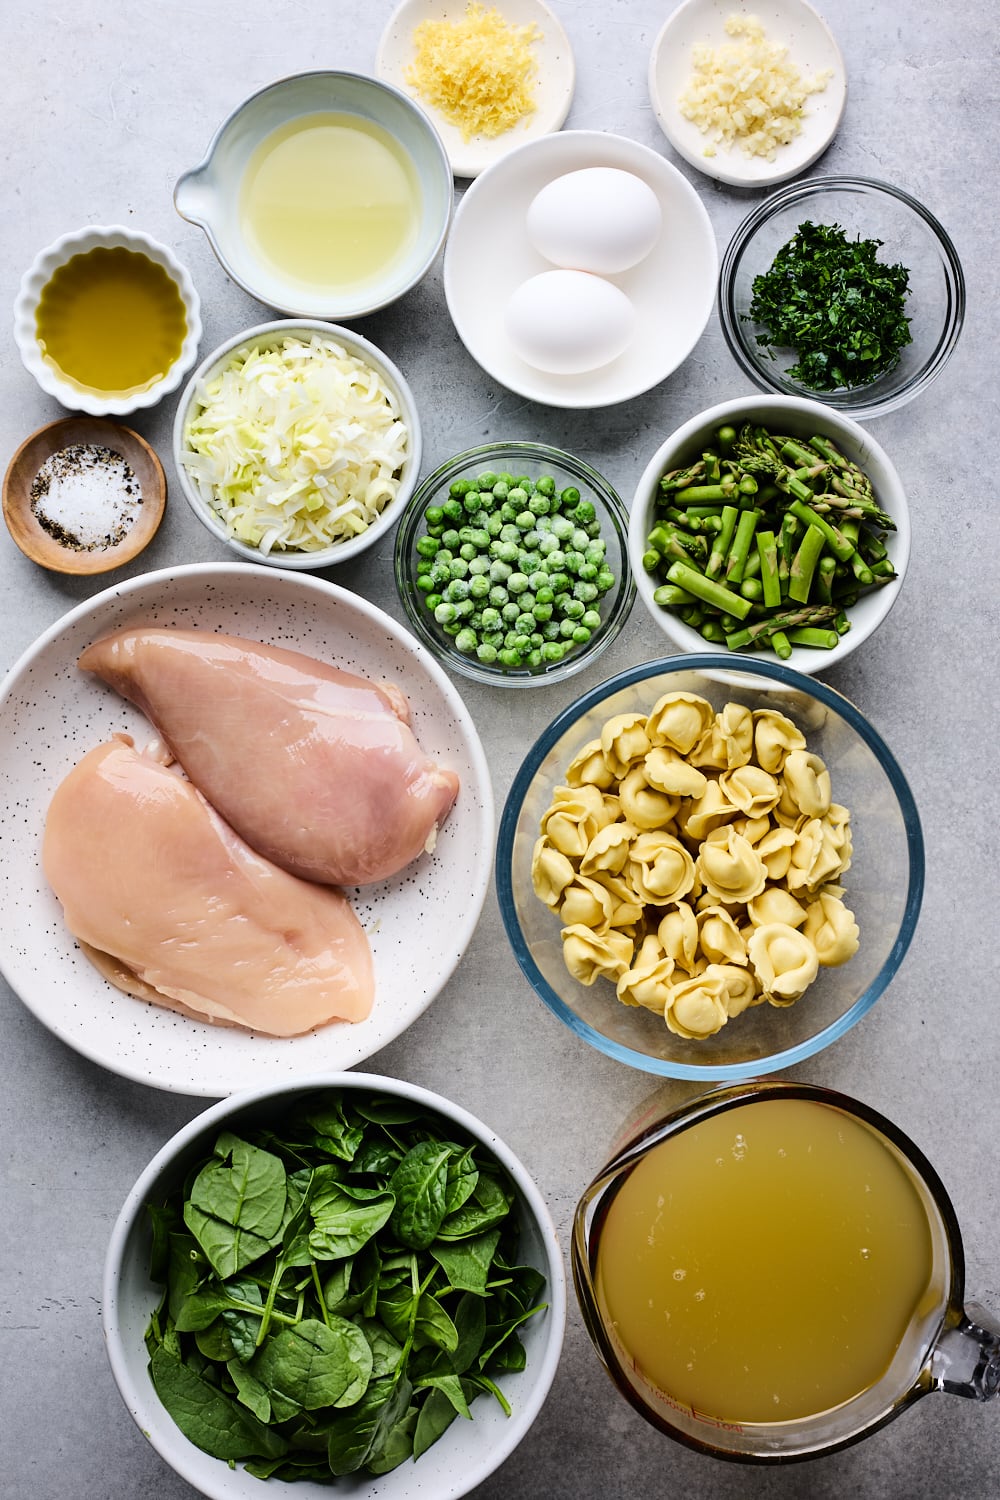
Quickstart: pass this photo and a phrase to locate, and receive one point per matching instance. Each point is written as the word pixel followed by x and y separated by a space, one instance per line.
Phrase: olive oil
pixel 765 1264
pixel 329 202
pixel 111 320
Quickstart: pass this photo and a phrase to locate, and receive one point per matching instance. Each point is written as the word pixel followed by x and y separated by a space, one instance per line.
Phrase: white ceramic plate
pixel 811 48
pixel 51 714
pixel 488 255
pixel 554 81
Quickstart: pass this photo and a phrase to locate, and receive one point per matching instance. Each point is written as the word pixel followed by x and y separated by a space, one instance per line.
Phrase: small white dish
pixel 271 336
pixel 811 49
pixel 555 78
pixel 210 194
pixel 489 255
pixel 51 714
pixel 47 374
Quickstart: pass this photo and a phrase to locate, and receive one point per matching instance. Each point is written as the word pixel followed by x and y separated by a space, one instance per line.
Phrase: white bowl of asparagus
pixel 770 524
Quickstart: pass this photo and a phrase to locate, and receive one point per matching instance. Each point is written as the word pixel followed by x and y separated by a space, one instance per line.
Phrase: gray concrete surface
pixel 103 106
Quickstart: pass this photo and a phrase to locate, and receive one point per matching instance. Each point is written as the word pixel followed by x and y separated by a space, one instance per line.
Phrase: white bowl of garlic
pixel 710 867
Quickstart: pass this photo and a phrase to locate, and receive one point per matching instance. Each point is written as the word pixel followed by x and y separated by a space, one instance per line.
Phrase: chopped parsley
pixel 832 302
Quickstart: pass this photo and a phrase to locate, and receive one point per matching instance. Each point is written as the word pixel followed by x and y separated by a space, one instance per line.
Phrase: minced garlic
pixel 479 72
pixel 747 92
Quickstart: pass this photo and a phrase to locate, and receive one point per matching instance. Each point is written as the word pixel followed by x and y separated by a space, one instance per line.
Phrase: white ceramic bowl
pixel 270 336
pixel 811 49
pixel 209 194
pixel 489 255
pixel 468 1452
pixel 51 714
pixel 553 83
pixel 794 417
pixel 40 272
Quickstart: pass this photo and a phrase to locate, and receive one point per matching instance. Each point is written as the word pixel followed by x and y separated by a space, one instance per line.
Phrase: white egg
pixel 597 219
pixel 568 322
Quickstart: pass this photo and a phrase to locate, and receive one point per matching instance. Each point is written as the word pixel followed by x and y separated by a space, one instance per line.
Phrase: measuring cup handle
pixel 966 1358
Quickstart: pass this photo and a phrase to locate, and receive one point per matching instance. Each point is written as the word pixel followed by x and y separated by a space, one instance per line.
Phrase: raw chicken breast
pixel 316 768
pixel 150 875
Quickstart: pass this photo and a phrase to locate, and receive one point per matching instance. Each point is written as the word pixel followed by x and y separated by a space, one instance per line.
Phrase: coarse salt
pixel 86 496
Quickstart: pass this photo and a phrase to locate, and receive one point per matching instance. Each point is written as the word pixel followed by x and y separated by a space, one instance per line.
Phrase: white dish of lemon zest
pixel 749 97
pixel 297 446
pixel 511 59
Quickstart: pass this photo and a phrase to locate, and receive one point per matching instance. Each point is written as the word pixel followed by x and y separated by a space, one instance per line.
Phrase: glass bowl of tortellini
pixel 710 866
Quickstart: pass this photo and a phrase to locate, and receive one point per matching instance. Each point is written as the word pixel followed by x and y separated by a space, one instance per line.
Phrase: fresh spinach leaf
pixel 356 1436
pixel 316 1364
pixel 345 1217
pixel 211 1420
pixel 236 1205
pixel 467 1263
pixel 420 1185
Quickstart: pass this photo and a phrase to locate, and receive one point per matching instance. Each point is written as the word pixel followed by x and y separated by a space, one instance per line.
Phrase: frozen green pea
pixel 539 505
pixel 542 612
pixel 587 592
pixel 500 571
pixel 525 623
pixel 464 608
pixel 501 490
pixel 569 496
pixel 588 572
pixel 498 595
pixel 494 524
pixel 458 567
pixel 425 583
pixel 581 635
pixel 518 496
pixel 434 515
pixel 517 583
pixel 486 480
pixel 591 619
pixel 479 565
pixel 573 562
pixel 491 618
pixel 509 658
pixel 432 601
pixel 510 612
pixel 605 579
pixel 459 487
pixel 553 651
pixel 453 510
pixel 467 552
pixel 580 540
pixel 479 586
pixel 545 485
pixel 486 653
pixel 426 546
pixel 445 612
pixel 466 641
pixel 584 513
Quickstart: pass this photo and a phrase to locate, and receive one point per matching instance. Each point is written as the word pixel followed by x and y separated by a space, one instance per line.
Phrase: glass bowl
pixel 883 884
pixel 469 1451
pixel 531 460
pixel 865 209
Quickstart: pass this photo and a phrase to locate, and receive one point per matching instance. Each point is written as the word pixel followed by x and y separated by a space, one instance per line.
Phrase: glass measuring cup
pixel 701 1335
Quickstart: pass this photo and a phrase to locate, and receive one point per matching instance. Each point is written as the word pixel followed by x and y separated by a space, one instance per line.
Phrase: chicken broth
pixel 766 1263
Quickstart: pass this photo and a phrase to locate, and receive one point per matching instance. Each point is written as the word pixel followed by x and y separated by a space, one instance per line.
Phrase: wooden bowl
pixel 61 555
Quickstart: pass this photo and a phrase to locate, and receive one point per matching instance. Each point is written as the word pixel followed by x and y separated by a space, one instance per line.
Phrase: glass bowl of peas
pixel 512 564
pixel 773 526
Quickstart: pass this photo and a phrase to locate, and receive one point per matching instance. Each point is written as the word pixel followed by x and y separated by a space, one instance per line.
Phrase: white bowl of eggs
pixel 580 270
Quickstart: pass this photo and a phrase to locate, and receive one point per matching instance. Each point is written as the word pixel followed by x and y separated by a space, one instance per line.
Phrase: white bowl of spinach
pixel 346 1284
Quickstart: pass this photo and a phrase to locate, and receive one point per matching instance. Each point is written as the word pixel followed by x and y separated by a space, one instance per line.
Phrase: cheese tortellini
pixel 693 857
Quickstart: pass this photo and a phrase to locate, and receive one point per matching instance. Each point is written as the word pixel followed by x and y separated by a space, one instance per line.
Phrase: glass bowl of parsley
pixel 845 290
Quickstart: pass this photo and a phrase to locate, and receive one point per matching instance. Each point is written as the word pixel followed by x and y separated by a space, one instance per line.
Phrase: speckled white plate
pixel 554 80
pixel 811 48
pixel 51 714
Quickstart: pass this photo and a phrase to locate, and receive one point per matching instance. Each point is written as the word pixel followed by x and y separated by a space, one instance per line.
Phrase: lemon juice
pixel 766 1263
pixel 329 202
